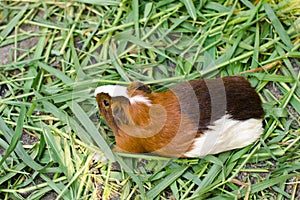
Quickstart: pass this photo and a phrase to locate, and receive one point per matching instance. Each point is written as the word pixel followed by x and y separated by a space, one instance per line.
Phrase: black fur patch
pixel 142 87
pixel 230 95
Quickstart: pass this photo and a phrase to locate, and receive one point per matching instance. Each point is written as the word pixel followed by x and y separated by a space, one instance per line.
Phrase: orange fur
pixel 171 140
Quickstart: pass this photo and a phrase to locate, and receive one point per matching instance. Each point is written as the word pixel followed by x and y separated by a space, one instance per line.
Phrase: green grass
pixel 54 53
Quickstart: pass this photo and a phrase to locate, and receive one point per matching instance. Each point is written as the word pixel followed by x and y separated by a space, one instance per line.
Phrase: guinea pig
pixel 191 119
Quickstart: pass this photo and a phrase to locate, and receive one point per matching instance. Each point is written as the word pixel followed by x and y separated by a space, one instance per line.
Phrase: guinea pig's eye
pixel 105 102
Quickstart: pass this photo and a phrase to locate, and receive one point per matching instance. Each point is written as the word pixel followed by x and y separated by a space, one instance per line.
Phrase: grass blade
pixel 59 74
pixel 190 7
pixel 17 134
pixel 166 181
pixel 20 151
pixel 268 183
pixel 91 129
pixel 12 24
pixel 278 26
pixel 99 2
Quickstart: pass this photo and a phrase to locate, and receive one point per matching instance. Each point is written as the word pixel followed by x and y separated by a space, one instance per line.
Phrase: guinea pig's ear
pixel 138 87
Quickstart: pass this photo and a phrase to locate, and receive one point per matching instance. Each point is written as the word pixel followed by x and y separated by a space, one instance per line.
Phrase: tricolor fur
pixel 192 119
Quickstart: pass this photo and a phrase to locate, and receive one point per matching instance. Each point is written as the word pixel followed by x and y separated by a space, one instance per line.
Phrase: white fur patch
pixel 141 99
pixel 118 90
pixel 112 90
pixel 226 134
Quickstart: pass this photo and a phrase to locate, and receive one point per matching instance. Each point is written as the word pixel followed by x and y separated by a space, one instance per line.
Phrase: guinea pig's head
pixel 114 102
pixel 105 97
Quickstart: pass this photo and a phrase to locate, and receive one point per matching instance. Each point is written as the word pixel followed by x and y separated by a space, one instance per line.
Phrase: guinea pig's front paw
pixel 99 158
pixel 118 150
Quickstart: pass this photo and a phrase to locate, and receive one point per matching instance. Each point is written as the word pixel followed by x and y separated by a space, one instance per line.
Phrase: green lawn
pixel 53 54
